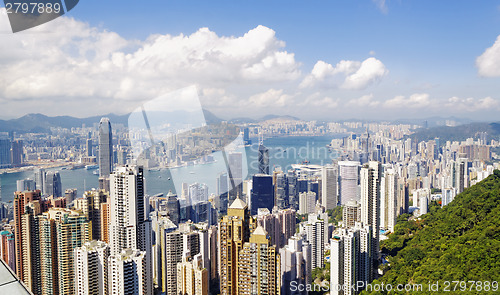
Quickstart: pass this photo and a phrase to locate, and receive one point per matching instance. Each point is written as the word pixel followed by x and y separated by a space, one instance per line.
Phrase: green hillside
pixel 460 242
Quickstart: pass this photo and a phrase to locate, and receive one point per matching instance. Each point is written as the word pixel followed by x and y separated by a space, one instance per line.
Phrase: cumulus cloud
pixel 417 100
pixel 488 63
pixel 272 97
pixel 69 60
pixel 471 104
pixel 346 74
pixel 318 100
pixel 364 101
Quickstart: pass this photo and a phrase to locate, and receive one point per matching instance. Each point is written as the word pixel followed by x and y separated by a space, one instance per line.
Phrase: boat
pixel 96 172
pixel 91 167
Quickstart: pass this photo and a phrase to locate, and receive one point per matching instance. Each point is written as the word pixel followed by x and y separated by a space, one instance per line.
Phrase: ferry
pixel 91 167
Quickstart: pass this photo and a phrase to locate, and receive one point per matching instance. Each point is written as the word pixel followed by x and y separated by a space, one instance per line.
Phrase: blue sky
pixel 423 48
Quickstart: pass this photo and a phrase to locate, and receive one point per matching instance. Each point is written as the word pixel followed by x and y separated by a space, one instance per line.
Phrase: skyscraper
pixel 192 277
pixel 89 148
pixel 234 231
pixel 105 148
pixel 17 152
pixel 173 207
pixel 329 180
pixel 389 200
pixel 262 193
pixel 370 201
pixel 53 186
pixel 235 169
pixel 21 199
pixel 351 213
pixel 5 153
pixel 259 266
pixel 90 206
pixel 40 179
pixel 129 226
pixel 91 268
pixel 263 158
pixel 128 273
pixel 348 180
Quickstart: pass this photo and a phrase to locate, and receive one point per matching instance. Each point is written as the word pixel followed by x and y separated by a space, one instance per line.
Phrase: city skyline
pixel 375 60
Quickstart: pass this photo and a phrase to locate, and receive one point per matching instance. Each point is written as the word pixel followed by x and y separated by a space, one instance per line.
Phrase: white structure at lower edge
pixel 91 267
pixel 127 273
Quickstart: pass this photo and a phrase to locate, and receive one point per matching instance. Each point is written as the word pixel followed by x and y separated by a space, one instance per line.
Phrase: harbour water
pixel 283 151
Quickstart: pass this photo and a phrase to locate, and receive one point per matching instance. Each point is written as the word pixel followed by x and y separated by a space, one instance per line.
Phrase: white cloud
pixel 417 100
pixel 488 63
pixel 68 60
pixel 319 101
pixel 272 97
pixel 471 104
pixel 364 101
pixel 347 74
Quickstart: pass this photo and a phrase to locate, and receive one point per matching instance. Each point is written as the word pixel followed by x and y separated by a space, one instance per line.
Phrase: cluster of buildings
pixel 244 239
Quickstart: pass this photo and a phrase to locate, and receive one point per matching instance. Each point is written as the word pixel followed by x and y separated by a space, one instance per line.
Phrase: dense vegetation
pixel 460 242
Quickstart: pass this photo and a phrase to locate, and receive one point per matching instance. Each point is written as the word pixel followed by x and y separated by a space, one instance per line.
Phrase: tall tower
pixel 91 265
pixel 262 193
pixel 259 266
pixel 90 204
pixel 89 147
pixel 129 227
pixel 234 231
pixel 263 158
pixel 192 277
pixel 329 182
pixel 389 200
pixel 235 169
pixel 128 272
pixel 17 152
pixel 105 151
pixel 21 199
pixel 53 186
pixel 370 201
pixel 348 181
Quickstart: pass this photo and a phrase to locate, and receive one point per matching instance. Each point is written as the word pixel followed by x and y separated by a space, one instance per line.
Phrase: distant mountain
pixel 38 123
pixel 457 133
pixel 271 117
pixel 459 242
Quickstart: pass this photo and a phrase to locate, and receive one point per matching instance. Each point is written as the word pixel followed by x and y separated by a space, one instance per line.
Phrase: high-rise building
pixel 389 200
pixel 293 193
pixel 70 194
pixel 329 180
pixel 105 148
pixel 259 266
pixel 8 248
pixel 17 152
pixel 192 277
pixel 263 157
pixel 21 199
pixel 91 268
pixel 88 148
pixel 5 146
pixel 30 250
pixel 128 273
pixel 316 230
pixel 370 201
pixel 234 231
pixel 350 259
pixel 61 232
pixel 262 193
pixel 351 213
pixel 90 206
pixel 25 185
pixel 447 196
pixel 221 191
pixel 129 226
pixel 40 179
pixel 235 170
pixel 293 258
pixel 348 181
pixel 307 202
pixel 173 207
pixel 280 189
pixel 53 186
